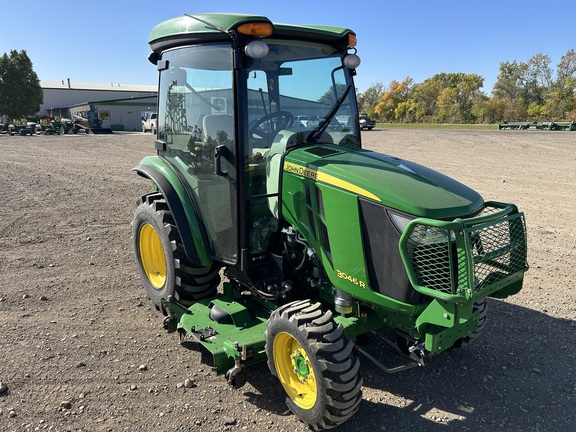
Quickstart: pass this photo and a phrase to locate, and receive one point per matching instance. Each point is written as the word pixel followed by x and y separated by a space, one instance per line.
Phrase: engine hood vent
pixel 322 151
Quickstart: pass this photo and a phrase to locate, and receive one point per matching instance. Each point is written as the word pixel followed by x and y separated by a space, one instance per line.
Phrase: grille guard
pixel 465 259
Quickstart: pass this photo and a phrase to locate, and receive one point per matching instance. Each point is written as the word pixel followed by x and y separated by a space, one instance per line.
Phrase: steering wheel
pixel 262 136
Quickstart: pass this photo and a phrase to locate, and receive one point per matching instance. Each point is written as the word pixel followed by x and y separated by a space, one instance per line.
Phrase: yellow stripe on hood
pixel 315 175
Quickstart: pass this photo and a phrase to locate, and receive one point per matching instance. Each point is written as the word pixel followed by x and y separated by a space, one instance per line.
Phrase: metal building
pixel 118 106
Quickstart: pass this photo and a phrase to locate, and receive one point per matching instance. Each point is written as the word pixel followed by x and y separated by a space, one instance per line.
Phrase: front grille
pixel 431 254
pixel 464 257
pixel 499 250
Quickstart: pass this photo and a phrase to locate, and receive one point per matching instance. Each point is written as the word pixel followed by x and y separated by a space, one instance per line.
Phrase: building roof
pixel 73 85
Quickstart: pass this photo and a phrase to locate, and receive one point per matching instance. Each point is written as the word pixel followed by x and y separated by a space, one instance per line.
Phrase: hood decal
pixel 321 177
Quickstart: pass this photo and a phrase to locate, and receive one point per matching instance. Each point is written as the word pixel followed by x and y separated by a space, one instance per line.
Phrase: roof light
pixel 262 29
pixel 351 61
pixel 256 49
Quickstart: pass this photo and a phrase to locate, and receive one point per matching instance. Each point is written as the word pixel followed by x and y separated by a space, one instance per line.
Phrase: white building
pixel 119 106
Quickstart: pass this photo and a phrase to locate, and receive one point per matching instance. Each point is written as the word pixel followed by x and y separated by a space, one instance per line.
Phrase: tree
pixel 20 91
pixel 510 83
pixel 456 101
pixel 488 110
pixel 424 101
pixel 390 100
pixel 525 87
pixel 567 66
pixel 447 98
pixel 561 101
pixel 368 99
pixel 538 79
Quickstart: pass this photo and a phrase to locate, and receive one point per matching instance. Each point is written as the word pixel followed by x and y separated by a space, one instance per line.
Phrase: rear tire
pixel 315 363
pixel 162 264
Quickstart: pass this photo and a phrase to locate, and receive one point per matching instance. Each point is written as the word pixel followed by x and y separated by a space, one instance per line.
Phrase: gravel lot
pixel 82 349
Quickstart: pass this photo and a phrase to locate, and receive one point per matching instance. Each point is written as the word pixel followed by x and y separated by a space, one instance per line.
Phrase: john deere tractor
pixel 260 179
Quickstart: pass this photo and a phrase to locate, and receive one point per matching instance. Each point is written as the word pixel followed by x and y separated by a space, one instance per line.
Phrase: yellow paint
pixel 152 256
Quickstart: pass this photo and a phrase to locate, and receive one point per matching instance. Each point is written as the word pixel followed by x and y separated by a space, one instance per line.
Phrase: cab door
pixel 195 123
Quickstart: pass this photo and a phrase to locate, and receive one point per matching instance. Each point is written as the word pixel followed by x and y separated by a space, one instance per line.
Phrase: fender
pixel 182 208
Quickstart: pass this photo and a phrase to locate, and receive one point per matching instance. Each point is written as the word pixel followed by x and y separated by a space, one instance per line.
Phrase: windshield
pixel 302 90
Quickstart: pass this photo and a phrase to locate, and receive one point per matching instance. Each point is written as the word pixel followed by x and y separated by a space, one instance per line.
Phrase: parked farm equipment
pixel 44 126
pixel 21 127
pixel 550 126
pixel 60 126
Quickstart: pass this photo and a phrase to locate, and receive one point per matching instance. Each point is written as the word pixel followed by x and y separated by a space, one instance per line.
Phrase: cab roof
pixel 188 29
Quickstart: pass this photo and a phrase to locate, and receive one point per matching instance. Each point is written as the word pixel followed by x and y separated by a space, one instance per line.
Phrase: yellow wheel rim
pixel 152 256
pixel 295 371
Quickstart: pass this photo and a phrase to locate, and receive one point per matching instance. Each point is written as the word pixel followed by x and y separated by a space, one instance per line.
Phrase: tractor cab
pixel 230 107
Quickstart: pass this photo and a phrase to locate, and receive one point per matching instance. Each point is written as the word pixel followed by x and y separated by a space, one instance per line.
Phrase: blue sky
pixel 106 41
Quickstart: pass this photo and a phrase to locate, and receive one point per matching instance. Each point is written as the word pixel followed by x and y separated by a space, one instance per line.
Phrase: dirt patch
pixel 81 347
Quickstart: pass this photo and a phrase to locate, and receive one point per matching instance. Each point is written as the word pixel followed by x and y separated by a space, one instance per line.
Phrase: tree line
pixel 524 91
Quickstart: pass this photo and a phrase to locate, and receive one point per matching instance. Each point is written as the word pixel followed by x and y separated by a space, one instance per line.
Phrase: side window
pixel 195 115
pixel 195 109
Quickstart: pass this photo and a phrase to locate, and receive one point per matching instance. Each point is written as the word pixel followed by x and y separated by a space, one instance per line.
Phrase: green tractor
pixel 322 244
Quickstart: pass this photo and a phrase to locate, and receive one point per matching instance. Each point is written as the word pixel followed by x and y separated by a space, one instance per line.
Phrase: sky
pixel 107 41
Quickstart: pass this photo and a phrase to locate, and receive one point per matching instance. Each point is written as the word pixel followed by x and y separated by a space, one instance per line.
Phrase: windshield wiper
pixel 319 130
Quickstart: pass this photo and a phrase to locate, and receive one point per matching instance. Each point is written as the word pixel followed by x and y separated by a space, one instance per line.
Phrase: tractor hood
pixel 393 182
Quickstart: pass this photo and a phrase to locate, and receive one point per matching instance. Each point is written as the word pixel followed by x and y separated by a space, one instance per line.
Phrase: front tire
pixel 162 265
pixel 315 363
pixel 482 308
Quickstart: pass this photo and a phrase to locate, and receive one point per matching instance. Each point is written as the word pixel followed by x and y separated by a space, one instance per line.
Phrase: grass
pixel 480 127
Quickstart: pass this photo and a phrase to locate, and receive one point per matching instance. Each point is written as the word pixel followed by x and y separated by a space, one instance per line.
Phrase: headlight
pixel 400 221
pixel 422 233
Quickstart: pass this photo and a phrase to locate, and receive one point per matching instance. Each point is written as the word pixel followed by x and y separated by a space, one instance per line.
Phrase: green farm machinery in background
pixel 322 244
pixel 547 126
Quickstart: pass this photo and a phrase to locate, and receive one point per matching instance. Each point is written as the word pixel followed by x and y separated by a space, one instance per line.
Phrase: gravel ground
pixel 82 349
